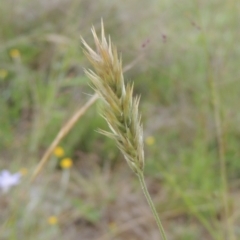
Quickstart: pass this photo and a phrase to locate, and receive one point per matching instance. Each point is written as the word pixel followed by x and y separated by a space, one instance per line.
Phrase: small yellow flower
pixel 66 163
pixel 23 171
pixel 58 151
pixel 52 220
pixel 3 73
pixel 150 140
pixel 14 53
pixel 112 226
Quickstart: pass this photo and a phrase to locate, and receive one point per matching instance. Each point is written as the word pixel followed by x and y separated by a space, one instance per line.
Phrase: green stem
pixel 150 203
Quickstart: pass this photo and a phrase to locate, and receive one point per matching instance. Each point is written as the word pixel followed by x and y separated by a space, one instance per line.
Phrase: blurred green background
pixel 181 56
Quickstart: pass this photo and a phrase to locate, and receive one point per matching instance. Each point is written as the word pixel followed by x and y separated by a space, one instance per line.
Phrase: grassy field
pixel 183 59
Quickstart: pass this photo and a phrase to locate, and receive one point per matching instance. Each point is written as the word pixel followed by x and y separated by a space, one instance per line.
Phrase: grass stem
pixel 62 133
pixel 215 102
pixel 150 203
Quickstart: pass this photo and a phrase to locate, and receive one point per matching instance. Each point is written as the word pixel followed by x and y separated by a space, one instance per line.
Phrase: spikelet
pixel 120 108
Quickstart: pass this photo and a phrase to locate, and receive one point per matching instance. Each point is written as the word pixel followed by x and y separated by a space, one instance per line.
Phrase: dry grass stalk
pixel 121 109
pixel 61 134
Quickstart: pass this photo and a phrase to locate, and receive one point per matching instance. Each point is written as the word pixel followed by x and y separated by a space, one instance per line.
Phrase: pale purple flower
pixel 7 180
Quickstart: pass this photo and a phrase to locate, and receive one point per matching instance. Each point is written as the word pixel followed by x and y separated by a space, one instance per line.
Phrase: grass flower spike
pixel 121 108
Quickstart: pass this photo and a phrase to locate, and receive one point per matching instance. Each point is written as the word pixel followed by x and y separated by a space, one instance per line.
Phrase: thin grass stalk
pixel 150 203
pixel 215 106
pixel 61 134
pixel 120 108
pixel 215 103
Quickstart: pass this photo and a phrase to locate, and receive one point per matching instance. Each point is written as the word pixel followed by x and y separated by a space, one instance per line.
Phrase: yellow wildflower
pixel 112 226
pixel 23 171
pixel 66 163
pixel 58 151
pixel 150 140
pixel 3 73
pixel 52 220
pixel 14 53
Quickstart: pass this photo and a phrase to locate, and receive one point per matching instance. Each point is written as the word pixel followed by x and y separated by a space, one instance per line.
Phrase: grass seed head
pixel 121 109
